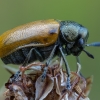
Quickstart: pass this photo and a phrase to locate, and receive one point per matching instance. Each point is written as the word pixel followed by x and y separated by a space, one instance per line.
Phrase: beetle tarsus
pixel 15 77
pixel 68 86
pixel 44 73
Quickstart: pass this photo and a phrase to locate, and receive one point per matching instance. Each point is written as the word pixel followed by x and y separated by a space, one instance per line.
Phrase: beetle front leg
pixel 78 59
pixel 48 62
pixel 67 68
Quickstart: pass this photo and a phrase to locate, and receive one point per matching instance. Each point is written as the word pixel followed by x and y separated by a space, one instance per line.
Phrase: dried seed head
pixel 31 87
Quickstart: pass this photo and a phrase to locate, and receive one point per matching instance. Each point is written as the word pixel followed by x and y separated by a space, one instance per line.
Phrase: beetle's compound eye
pixel 70 32
pixel 80 42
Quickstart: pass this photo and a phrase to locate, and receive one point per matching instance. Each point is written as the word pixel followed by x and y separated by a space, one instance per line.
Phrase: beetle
pixel 45 39
pixel 15 44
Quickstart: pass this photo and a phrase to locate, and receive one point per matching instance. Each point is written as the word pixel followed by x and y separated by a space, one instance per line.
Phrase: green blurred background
pixel 86 12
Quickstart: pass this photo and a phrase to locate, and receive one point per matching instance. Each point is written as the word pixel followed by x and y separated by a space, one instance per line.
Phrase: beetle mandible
pixel 46 39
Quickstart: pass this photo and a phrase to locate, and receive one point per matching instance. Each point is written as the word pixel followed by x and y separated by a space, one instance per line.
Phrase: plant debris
pixel 30 87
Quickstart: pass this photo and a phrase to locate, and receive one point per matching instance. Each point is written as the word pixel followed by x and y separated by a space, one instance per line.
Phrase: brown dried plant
pixel 30 87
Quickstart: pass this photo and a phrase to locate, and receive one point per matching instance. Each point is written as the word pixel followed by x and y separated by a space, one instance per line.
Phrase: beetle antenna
pixel 96 44
pixel 89 55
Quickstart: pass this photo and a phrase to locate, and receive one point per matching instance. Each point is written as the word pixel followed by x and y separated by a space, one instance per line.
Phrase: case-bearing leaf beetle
pixel 44 39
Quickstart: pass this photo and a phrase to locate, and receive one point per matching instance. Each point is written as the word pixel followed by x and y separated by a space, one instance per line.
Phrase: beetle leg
pixel 16 76
pixel 78 59
pixel 38 55
pixel 67 68
pixel 48 62
pixel 27 57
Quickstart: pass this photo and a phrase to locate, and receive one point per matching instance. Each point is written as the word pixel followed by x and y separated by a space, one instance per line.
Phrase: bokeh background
pixel 86 12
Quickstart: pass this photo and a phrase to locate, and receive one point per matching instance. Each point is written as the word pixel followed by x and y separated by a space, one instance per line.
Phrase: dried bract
pixel 30 86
